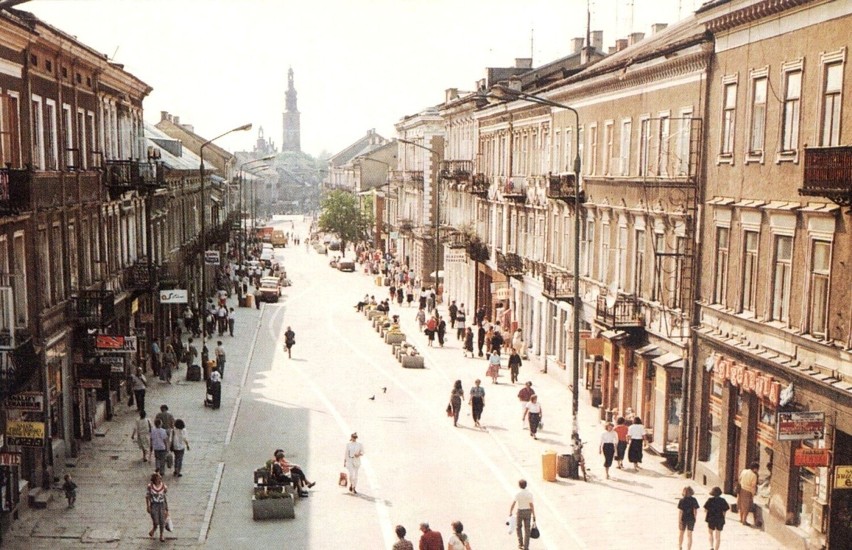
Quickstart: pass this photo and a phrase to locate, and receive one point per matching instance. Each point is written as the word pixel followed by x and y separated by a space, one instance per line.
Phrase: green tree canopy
pixel 342 217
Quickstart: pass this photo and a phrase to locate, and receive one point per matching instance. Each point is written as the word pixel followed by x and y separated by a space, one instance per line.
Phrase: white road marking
pixel 211 503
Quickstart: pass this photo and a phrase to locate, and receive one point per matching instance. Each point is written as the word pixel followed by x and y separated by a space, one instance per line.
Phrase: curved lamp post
pixel 437 206
pixel 505 93
pixel 242 128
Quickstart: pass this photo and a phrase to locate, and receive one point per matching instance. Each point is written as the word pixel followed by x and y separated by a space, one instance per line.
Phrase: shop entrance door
pixel 735 467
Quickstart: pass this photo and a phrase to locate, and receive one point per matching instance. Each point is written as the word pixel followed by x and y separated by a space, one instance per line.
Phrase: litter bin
pixel 249 300
pixel 565 465
pixel 379 280
pixel 548 466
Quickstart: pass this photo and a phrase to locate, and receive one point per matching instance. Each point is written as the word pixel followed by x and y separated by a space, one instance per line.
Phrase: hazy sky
pixel 358 64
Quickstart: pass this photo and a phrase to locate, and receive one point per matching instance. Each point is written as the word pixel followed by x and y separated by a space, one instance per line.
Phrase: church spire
pixel 291 117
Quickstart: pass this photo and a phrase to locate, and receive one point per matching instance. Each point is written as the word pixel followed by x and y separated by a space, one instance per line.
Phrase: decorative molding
pixel 750 14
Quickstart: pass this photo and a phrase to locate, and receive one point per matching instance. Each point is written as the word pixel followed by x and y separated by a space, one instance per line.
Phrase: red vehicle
pixel 264 233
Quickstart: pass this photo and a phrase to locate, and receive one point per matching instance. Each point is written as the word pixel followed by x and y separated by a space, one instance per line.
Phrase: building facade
pixel 291 118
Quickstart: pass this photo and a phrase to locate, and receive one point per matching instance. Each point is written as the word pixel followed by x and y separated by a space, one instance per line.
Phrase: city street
pixel 417 467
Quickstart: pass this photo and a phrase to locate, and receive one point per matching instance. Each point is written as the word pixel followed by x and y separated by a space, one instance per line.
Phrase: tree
pixel 342 217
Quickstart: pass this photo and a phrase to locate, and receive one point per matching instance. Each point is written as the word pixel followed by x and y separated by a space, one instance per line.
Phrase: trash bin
pixel 379 280
pixel 249 300
pixel 563 465
pixel 548 466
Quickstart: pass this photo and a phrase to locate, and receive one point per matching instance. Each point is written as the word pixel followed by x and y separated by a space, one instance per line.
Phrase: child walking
pixel 70 489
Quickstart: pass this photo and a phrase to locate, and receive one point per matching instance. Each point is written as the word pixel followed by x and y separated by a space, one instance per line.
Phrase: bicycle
pixel 579 460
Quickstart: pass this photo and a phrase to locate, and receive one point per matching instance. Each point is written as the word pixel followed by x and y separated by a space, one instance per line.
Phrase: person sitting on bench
pixel 284 472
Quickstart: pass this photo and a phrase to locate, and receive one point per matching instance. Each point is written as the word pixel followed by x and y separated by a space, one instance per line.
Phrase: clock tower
pixel 292 129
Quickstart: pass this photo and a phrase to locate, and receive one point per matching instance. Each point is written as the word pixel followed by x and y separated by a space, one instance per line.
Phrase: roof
pixel 363 145
pixel 187 160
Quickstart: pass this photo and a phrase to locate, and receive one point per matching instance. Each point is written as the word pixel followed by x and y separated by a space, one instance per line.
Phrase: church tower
pixel 291 118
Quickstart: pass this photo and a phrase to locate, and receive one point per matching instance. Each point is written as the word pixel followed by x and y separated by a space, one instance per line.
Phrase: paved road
pixel 417 465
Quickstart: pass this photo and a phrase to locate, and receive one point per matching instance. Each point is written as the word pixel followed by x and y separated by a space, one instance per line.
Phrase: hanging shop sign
pixel 796 426
pixel 843 477
pixel 28 401
pixel 26 434
pixel 174 296
pixel 811 458
pixel 123 344
pixel 211 257
pixel 90 383
pixel 749 380
pixel 10 459
pixel 115 363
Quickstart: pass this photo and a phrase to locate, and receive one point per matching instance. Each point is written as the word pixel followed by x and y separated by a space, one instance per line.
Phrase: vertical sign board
pixel 797 426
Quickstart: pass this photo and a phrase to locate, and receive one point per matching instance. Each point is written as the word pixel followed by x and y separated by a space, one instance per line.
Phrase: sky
pixel 358 64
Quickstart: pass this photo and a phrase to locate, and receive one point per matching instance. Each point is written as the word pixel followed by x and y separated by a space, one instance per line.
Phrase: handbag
pixel 170 460
pixel 534 534
pixel 169 525
pixel 449 410
pixel 130 400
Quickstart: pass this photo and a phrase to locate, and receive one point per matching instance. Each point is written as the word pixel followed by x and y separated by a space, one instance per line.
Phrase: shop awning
pixel 668 360
pixel 650 351
pixel 613 334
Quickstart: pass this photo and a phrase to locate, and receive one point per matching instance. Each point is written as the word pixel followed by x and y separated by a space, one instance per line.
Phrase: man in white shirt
pixel 352 461
pixel 220 357
pixel 526 512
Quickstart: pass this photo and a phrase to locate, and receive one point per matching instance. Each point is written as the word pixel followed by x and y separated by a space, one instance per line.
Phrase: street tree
pixel 341 216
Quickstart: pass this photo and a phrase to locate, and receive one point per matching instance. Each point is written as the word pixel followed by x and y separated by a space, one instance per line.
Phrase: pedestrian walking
pixel 461 320
pixel 456 398
pixel 454 311
pixel 715 508
pixel 180 444
pixel 232 319
pixel 621 431
pixel 222 319
pixel 458 540
pixel 493 366
pixel 138 383
pixel 220 357
pixel 636 435
pixel 515 364
pixel 70 489
pixel 480 338
pixel 160 445
pixel 497 340
pixel 477 401
pixel 166 418
pixel 409 294
pixel 429 539
pixel 289 341
pixel 142 434
pixel 489 335
pixel 430 301
pixel 401 543
pixel 431 327
pixel 400 296
pixel 747 489
pixel 609 439
pixel 686 517
pixel 423 296
pixel 169 364
pixel 468 342
pixel 441 330
pixel 420 317
pixel 534 412
pixel 352 461
pixel 519 344
pixel 157 504
pixel 525 514
pixel 155 357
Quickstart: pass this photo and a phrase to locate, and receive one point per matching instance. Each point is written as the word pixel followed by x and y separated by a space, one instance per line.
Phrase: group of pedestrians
pixel 433 540
pixel 715 509
pixel 620 437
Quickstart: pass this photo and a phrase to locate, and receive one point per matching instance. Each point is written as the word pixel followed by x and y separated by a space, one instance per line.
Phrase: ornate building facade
pixel 292 128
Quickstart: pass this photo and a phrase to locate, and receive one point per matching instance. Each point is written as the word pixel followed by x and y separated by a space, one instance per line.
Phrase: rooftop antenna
pixel 588 24
pixel 532 42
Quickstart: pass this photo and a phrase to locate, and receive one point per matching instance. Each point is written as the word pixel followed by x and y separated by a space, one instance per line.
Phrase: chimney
pixel 523 62
pixel 450 94
pixel 577 44
pixel 177 120
pixel 164 115
pixel 657 27
pixel 634 38
pixel 612 50
pixel 620 44
pixel 188 127
pixel 597 40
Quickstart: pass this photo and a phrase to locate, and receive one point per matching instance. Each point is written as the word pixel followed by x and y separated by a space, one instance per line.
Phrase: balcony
pixel 514 189
pixel 458 170
pixel 510 265
pixel 561 187
pixel 623 312
pixel 479 185
pixel 133 175
pixel 141 276
pixel 558 285
pixel 94 308
pixel 406 176
pixel 828 174
pixel 18 361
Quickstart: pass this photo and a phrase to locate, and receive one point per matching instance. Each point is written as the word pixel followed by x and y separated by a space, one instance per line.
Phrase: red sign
pixel 750 380
pixel 116 343
pixel 90 383
pixel 812 458
pixel 10 459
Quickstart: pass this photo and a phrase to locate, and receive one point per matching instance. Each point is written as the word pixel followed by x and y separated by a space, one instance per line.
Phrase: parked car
pixel 345 265
pixel 270 289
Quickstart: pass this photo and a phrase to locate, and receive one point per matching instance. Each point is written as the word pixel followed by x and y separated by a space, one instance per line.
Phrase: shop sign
pixel 10 459
pixel 585 334
pixel 146 318
pixel 90 383
pixel 27 434
pixel 174 296
pixel 749 380
pixel 843 477
pixel 453 256
pixel 795 426
pixel 211 257
pixel 124 344
pixel 811 458
pixel 28 401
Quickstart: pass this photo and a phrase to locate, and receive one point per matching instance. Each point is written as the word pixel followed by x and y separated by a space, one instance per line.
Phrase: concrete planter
pixel 412 361
pixel 394 337
pixel 273 508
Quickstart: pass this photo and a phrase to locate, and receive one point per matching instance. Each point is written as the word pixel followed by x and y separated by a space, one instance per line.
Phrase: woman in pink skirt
pixel 493 366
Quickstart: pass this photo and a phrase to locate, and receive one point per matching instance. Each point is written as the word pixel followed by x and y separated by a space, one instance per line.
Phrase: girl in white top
pixel 458 540
pixel 534 411
pixel 609 439
pixel 636 435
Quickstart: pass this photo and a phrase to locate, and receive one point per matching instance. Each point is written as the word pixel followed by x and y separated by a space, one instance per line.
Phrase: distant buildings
pixel 291 118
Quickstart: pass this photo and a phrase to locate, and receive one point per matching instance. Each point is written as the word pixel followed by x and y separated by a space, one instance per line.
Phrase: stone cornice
pixel 749 14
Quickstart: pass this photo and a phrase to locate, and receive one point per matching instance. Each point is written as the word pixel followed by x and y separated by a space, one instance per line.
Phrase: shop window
pixel 715 432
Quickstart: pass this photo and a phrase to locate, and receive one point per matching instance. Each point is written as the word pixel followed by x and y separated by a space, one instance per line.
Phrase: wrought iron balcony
pixel 828 174
pixel 94 308
pixel 561 186
pixel 406 226
pixel 128 175
pixel 458 170
pixel 141 276
pixel 558 285
pixel 510 265
pixel 406 176
pixel 622 312
pixel 514 189
pixel 477 250
pixel 18 361
pixel 479 185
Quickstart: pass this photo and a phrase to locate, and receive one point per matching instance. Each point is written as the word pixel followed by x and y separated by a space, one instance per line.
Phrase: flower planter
pixel 394 337
pixel 412 361
pixel 279 507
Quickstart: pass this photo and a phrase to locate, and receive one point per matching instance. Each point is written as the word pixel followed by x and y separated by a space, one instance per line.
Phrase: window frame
pixel 826 299
pixel 749 271
pixel 607 143
pixel 728 120
pixel 624 146
pixel 643 166
pixel 757 120
pixel 664 132
pixel 790 153
pixel 782 274
pixel 828 61
pixel 721 266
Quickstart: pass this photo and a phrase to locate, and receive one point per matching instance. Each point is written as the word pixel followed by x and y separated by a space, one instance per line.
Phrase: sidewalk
pixel 111 477
pixel 648 497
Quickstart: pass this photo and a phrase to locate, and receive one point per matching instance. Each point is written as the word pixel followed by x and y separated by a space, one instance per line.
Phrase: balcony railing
pixel 561 186
pixel 479 185
pixel 94 308
pixel 510 265
pixel 406 176
pixel 828 174
pixel 622 312
pixel 141 276
pixel 558 285
pixel 515 189
pixel 125 175
pixel 459 170
pixel 18 362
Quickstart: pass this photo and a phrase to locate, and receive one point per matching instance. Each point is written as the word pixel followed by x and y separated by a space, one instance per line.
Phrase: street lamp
pixel 437 206
pixel 242 220
pixel 242 128
pixel 387 201
pixel 504 93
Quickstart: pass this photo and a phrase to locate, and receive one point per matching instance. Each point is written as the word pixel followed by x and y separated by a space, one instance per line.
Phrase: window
pixel 587 256
pixel 10 135
pixel 581 144
pixel 639 263
pixel 621 260
pixel 624 149
pixel 37 132
pixel 820 272
pixel 593 148
pixel 44 265
pixel 758 115
pixel 50 136
pixel 659 251
pixel 57 271
pixel 729 111
pixel 832 85
pixel 604 259
pixel 68 138
pixel 749 290
pixel 790 121
pixel 607 153
pixel 20 279
pixel 720 275
pixel 92 143
pixel 684 144
pixel 73 260
pixel 663 152
pixel 644 145
pixel 783 276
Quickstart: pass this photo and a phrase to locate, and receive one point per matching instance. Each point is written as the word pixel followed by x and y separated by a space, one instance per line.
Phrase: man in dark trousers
pixel 289 341
pixel 497 341
pixel 454 309
pixel 430 540
pixel 480 338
